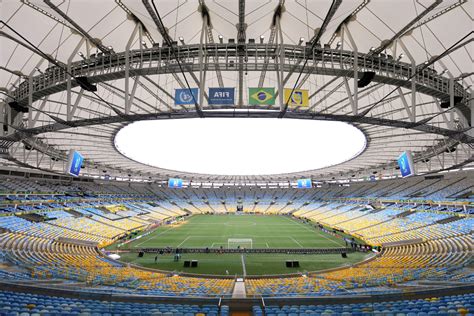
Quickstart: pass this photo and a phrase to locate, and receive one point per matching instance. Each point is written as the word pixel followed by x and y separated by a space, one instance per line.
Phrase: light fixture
pixel 443 72
pixel 144 43
pixel 181 39
pixel 372 49
pixel 80 54
pixel 400 56
pixel 110 48
pixel 301 40
pixel 262 38
pixel 338 44
pixel 38 70
pixel 221 39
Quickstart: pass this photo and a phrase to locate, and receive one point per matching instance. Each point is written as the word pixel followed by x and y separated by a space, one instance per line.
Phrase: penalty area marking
pixel 151 237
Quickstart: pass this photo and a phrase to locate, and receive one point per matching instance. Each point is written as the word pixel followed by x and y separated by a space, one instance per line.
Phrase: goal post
pixel 234 243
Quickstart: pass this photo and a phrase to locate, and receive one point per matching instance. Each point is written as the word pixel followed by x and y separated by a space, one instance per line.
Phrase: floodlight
pixel 262 38
pixel 221 39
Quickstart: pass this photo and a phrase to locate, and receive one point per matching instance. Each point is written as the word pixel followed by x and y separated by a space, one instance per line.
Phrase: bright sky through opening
pixel 240 146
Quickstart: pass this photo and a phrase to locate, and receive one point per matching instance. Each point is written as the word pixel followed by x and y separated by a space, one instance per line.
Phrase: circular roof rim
pixel 271 175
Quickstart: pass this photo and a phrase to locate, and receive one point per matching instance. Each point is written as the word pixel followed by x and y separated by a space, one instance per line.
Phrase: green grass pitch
pixel 213 231
pixel 271 231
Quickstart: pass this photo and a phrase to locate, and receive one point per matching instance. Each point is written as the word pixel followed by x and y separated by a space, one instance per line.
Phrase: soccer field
pixel 270 231
pixel 213 231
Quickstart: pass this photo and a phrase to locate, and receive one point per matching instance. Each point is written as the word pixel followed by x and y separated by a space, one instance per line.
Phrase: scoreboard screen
pixel 74 163
pixel 405 162
pixel 304 184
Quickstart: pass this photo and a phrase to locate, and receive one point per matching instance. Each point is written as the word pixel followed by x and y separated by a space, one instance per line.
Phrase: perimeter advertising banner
pixel 74 163
pixel 221 96
pixel 185 96
pixel 299 97
pixel 262 96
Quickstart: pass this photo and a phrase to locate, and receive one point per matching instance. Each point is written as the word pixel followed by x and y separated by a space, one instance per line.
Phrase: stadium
pixel 236 157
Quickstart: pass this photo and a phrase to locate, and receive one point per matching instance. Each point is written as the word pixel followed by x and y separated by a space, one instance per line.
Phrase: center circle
pixel 240 146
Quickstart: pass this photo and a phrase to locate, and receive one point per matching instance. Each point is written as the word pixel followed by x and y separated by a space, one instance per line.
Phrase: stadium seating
pixel 445 305
pixel 422 241
pixel 13 303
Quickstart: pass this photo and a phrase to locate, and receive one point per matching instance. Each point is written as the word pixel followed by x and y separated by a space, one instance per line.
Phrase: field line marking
pixel 183 241
pixel 314 231
pixel 296 241
pixel 151 237
pixel 244 271
pixel 267 245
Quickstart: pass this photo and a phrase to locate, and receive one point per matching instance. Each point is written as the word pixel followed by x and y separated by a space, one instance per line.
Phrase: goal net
pixel 235 243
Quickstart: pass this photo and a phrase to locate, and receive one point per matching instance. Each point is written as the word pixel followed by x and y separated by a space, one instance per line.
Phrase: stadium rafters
pixel 421 87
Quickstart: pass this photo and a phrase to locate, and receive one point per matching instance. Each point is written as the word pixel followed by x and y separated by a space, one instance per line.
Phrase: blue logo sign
pixel 185 96
pixel 372 178
pixel 75 163
pixel 405 163
pixel 175 183
pixel 221 96
pixel 304 184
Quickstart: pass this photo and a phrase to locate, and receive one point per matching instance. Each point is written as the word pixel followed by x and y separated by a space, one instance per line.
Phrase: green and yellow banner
pixel 298 98
pixel 261 96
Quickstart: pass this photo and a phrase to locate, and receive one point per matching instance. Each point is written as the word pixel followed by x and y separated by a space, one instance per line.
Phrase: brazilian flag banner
pixel 261 96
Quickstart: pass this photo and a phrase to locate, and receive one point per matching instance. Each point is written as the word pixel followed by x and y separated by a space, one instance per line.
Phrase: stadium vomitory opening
pixel 236 157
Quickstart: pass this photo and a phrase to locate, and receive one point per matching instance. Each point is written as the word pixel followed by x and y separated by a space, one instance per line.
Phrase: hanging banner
pixel 184 96
pixel 298 98
pixel 221 96
pixel 261 96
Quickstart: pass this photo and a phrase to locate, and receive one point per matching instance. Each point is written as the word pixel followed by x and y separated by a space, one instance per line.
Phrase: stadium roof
pixel 418 100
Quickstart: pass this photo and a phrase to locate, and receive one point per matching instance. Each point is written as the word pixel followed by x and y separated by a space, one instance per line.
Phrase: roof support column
pixel 281 62
pixel 413 80
pixel 30 100
pixel 202 64
pixel 128 97
pixel 69 107
pixel 241 37
pixel 354 99
pixel 30 93
pixel 3 117
pixel 36 117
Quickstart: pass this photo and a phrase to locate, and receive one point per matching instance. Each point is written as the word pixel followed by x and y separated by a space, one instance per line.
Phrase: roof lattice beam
pixel 404 30
pixel 276 15
pixel 317 36
pixel 94 41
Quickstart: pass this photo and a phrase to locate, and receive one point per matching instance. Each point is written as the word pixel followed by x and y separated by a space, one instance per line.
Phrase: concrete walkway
pixel 239 289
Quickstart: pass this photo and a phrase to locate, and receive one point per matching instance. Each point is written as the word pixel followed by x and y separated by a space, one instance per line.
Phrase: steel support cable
pixel 430 62
pixel 57 64
pixel 314 40
pixel 170 44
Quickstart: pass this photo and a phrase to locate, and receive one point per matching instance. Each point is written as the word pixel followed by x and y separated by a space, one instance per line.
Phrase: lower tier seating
pixel 429 260
pixel 25 304
pixel 446 305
